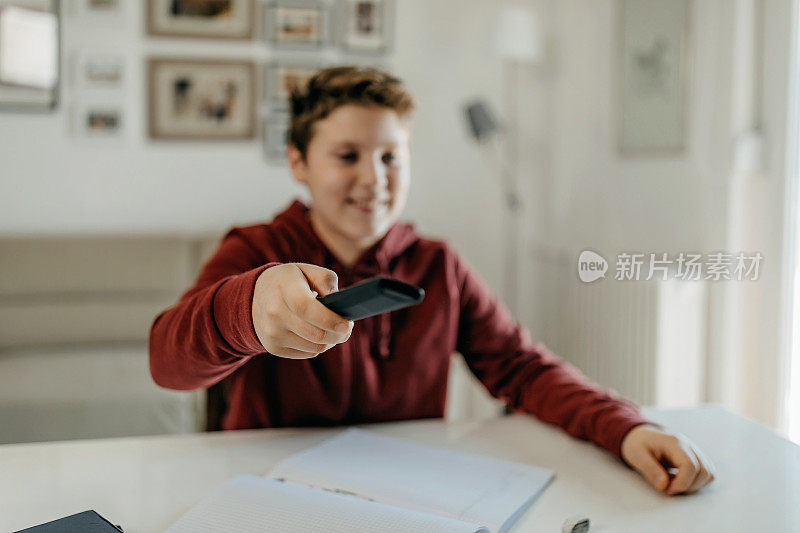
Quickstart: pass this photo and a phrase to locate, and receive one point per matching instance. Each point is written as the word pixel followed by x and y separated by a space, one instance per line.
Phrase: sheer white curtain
pixel 749 366
pixel 790 419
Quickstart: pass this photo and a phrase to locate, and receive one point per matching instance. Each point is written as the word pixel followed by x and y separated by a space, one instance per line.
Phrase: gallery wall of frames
pixel 214 99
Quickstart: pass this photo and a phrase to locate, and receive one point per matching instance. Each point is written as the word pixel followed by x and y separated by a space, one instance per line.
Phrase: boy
pixel 252 316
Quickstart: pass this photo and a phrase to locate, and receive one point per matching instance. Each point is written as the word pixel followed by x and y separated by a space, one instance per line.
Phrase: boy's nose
pixel 372 173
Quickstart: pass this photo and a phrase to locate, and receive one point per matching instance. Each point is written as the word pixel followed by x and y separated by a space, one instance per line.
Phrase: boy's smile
pixel 357 171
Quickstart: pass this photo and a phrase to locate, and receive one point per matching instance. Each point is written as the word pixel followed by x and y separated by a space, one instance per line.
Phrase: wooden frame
pixel 275 132
pixel 109 116
pixel 159 130
pixel 650 123
pixel 113 61
pixel 355 34
pixel 283 8
pixel 154 27
pixel 274 79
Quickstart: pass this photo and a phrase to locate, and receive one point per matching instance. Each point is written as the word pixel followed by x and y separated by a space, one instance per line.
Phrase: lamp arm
pixel 507 175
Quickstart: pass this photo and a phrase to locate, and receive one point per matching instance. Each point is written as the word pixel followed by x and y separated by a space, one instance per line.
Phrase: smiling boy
pixel 252 316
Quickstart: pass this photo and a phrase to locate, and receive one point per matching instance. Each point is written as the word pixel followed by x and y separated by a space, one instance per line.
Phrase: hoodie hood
pixel 304 244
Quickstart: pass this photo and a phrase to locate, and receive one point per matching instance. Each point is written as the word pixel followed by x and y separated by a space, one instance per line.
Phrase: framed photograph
pixel 276 135
pixel 296 23
pixel 99 71
pixel 99 7
pixel 653 76
pixel 102 12
pixel 283 77
pixel 367 25
pixel 199 99
pixel 228 19
pixel 98 120
pixel 29 55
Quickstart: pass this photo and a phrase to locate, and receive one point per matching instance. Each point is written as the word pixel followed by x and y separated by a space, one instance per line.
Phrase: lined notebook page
pixel 251 504
pixel 467 487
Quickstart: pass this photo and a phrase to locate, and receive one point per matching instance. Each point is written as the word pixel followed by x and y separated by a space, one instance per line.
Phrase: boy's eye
pixel 389 158
pixel 348 156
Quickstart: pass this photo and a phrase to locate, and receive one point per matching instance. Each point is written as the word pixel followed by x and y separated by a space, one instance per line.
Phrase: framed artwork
pixel 99 7
pixel 367 25
pixel 296 23
pixel 99 71
pixel 198 99
pixel 30 67
pixel 98 120
pixel 276 135
pixel 228 19
pixel 653 76
pixel 283 77
pixel 100 12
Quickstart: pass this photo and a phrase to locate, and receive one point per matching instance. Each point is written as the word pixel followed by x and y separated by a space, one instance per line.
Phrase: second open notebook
pixel 362 481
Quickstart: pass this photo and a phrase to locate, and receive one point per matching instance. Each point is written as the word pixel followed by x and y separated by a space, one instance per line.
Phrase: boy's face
pixel 357 171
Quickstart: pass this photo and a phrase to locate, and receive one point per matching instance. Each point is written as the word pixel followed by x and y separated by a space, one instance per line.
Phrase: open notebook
pixel 362 481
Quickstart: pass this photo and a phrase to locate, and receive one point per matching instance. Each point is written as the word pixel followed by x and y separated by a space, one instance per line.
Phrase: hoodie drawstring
pixel 384 320
pixel 385 336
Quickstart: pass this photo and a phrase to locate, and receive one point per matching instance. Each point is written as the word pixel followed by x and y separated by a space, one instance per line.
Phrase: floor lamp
pixel 518 42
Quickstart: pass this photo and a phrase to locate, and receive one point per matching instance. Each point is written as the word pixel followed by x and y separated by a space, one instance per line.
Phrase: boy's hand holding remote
pixel 289 320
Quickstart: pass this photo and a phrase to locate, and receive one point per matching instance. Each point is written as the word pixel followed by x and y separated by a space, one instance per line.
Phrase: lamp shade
pixel 518 35
pixel 480 119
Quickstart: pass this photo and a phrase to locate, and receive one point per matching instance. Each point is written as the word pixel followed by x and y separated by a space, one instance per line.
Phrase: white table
pixel 146 483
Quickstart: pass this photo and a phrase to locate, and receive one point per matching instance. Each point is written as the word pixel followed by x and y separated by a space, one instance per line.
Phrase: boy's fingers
pixel 703 478
pixel 706 474
pixel 687 465
pixel 303 327
pixel 296 342
pixel 322 317
pixel 321 280
pixel 307 307
pixel 291 353
pixel 651 469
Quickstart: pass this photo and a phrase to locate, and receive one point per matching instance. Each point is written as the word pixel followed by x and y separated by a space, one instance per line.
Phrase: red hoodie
pixel 393 367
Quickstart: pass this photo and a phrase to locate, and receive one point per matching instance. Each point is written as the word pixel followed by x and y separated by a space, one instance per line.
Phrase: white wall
pixel 599 198
pixel 583 194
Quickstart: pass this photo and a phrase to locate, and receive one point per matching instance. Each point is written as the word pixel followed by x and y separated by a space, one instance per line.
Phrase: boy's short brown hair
pixel 336 86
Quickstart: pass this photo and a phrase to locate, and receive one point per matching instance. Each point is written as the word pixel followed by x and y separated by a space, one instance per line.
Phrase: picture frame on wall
pixel 366 25
pixel 201 99
pixel 98 120
pixel 99 71
pixel 99 8
pixel 653 76
pixel 299 24
pixel 30 65
pixel 222 19
pixel 283 76
pixel 276 135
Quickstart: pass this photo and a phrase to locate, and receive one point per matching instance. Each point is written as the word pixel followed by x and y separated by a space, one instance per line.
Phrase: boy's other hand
pixel 669 463
pixel 288 319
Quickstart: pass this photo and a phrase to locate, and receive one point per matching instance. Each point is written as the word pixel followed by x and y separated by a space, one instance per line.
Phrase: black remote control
pixel 372 297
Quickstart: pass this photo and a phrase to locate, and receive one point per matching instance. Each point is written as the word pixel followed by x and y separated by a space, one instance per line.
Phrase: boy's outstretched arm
pixel 207 334
pixel 243 305
pixel 530 378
